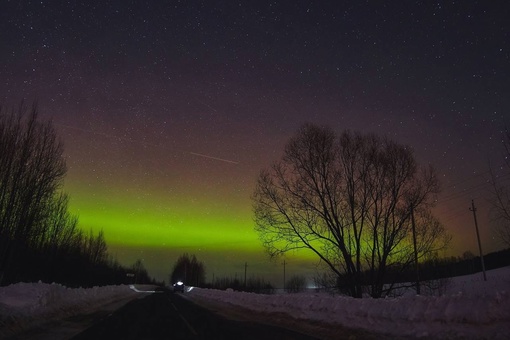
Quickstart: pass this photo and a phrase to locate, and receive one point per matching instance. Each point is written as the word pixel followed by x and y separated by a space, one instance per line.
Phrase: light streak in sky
pixel 215 158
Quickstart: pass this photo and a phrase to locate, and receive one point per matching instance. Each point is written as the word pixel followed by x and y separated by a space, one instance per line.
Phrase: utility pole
pixel 415 252
pixel 473 209
pixel 284 276
pixel 245 267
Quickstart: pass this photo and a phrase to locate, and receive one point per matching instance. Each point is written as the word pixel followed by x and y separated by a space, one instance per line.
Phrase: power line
pixel 473 177
pixel 458 194
pixel 469 190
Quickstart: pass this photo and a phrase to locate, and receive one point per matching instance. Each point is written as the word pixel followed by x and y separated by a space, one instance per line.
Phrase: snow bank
pixel 471 308
pixel 27 304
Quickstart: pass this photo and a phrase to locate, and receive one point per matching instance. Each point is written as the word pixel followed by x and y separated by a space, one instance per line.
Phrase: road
pixel 167 315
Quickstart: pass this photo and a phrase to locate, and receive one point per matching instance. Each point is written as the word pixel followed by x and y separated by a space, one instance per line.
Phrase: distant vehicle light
pixel 179 286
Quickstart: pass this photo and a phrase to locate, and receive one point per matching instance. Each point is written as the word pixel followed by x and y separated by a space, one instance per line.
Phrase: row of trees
pixel 359 202
pixel 191 271
pixel 188 269
pixel 39 238
pixel 252 284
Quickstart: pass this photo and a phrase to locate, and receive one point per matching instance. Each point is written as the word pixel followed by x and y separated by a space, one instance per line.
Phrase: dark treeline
pixel 440 268
pixel 191 271
pixel 448 267
pixel 465 265
pixel 252 285
pixel 39 238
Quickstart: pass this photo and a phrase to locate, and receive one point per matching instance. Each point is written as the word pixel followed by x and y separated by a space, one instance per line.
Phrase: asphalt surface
pixel 167 315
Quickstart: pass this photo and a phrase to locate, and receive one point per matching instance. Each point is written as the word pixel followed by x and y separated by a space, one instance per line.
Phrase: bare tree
pixel 39 238
pixel 348 199
pixel 61 225
pixel 95 248
pixel 141 274
pixel 31 170
pixel 296 284
pixel 189 269
pixel 501 196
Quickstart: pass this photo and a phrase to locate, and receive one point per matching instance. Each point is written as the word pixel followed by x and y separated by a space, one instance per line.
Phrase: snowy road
pixel 169 316
pixel 467 308
pixel 66 328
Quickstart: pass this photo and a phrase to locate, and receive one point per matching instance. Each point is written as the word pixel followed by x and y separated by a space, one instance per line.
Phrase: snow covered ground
pixel 25 305
pixel 469 308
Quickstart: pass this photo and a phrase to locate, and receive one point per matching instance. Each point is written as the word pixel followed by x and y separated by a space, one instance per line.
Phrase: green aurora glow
pixel 140 221
pixel 157 227
pixel 168 116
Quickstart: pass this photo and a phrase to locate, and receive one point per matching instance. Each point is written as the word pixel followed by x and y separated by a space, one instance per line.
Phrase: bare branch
pixel 347 199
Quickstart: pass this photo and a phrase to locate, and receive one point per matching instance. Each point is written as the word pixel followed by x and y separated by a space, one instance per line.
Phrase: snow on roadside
pixel 24 305
pixel 471 308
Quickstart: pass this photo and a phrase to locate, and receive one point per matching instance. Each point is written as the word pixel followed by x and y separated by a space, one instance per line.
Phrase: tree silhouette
pixel 349 200
pixel 189 270
pixel 141 274
pixel 39 238
pixel 501 196
pixel 31 170
pixel 295 284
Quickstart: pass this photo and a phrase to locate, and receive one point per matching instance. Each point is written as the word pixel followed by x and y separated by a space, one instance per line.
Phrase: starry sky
pixel 169 109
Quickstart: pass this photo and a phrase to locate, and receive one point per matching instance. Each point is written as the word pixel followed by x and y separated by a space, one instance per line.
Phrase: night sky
pixel 169 109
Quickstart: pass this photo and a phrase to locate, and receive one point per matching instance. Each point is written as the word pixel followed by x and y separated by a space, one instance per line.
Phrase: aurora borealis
pixel 168 110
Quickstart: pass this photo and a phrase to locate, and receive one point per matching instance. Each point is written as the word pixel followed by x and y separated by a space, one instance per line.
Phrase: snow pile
pixel 471 308
pixel 27 304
